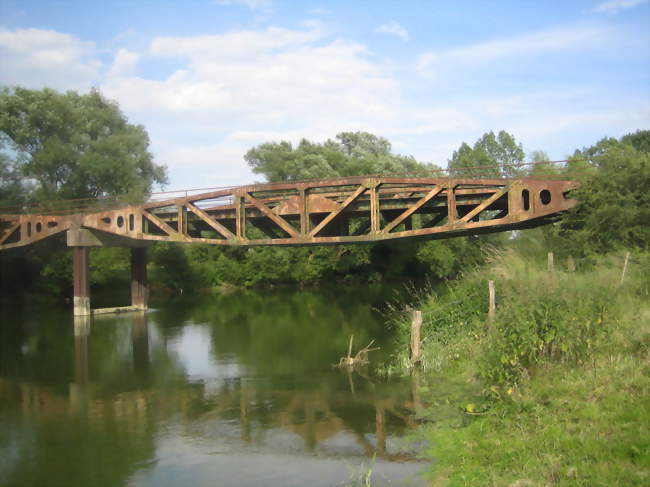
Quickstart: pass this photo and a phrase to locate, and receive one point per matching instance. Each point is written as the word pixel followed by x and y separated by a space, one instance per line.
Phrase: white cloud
pixel 36 58
pixel 615 6
pixel 395 29
pixel 527 45
pixel 242 88
pixel 124 63
pixel 235 44
pixel 272 77
pixel 231 91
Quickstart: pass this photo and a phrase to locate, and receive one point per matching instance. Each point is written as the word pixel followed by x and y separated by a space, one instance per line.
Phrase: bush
pixel 542 317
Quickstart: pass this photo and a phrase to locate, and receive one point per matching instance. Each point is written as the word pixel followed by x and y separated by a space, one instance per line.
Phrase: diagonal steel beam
pixel 160 224
pixel 359 191
pixel 9 233
pixel 278 220
pixel 478 209
pixel 210 221
pixel 409 211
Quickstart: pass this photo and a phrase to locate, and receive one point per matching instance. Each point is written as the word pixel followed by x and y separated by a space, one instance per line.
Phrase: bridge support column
pixel 139 290
pixel 81 280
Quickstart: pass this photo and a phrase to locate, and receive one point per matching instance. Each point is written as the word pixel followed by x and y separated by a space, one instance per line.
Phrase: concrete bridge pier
pixel 81 241
pixel 139 289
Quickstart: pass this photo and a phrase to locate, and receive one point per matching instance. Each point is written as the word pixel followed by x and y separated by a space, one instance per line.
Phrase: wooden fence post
pixel 627 257
pixel 492 308
pixel 415 336
pixel 549 261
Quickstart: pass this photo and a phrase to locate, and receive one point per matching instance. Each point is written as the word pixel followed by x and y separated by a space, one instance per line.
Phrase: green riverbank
pixel 553 391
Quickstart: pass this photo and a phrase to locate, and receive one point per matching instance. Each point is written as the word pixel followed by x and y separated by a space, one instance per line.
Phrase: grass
pixel 564 375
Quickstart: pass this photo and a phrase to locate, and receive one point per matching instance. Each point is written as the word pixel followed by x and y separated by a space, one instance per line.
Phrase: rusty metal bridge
pixel 315 212
pixel 332 211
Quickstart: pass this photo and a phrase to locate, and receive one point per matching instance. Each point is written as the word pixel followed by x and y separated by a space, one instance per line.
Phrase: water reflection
pixel 237 390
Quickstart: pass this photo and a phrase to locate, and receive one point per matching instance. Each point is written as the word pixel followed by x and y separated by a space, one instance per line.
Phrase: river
pixel 233 390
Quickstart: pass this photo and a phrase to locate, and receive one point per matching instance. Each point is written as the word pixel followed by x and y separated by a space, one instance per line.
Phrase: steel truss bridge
pixel 315 212
pixel 331 211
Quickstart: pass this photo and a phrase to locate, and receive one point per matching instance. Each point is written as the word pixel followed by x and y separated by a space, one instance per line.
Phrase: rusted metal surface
pixel 81 280
pixel 334 211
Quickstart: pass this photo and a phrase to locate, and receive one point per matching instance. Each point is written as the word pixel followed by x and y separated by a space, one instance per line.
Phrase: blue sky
pixel 210 79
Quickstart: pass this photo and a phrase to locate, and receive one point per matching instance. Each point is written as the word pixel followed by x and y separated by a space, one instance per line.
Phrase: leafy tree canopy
pixel 543 167
pixel 11 190
pixel 501 150
pixel 73 146
pixel 349 154
pixel 614 196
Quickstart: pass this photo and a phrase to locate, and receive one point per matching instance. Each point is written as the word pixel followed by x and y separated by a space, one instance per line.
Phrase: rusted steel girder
pixel 333 211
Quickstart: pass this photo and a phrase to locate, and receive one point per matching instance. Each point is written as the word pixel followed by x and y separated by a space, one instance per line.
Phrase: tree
pixel 491 156
pixel 468 162
pixel 75 146
pixel 363 144
pixel 12 191
pixel 640 140
pixel 59 146
pixel 542 168
pixel 350 154
pixel 614 196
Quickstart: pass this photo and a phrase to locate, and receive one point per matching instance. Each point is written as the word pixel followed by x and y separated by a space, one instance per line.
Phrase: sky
pixel 210 79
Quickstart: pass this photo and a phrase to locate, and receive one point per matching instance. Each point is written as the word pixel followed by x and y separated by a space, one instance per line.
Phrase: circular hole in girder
pixel 545 196
pixel 120 221
pixel 39 227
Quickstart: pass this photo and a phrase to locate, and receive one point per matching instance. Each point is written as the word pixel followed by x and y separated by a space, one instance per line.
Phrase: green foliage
pixel 640 140
pixel 76 146
pixel 544 317
pixel 447 258
pixel 12 190
pixel 582 425
pixel 614 208
pixel 541 169
pixel 209 266
pixel 59 146
pixel 350 154
pixel 108 266
pixel 491 156
pixel 171 269
pixel 563 369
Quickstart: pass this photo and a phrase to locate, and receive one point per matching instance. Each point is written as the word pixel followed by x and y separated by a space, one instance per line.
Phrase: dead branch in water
pixel 361 358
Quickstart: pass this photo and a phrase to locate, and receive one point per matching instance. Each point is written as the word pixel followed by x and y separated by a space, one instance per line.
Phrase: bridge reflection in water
pixel 155 397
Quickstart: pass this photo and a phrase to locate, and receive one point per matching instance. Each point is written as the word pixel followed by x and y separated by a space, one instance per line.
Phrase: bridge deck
pixel 334 211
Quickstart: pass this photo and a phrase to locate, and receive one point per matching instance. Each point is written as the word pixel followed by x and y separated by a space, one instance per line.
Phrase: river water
pixel 232 390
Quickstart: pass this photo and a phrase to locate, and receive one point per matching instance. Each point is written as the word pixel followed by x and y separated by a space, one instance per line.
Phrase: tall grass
pixel 564 368
pixel 543 316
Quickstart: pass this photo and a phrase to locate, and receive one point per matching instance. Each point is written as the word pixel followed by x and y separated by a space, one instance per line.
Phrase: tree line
pixel 56 146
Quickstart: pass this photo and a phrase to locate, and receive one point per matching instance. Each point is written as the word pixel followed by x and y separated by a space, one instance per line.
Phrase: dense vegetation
pixel 554 390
